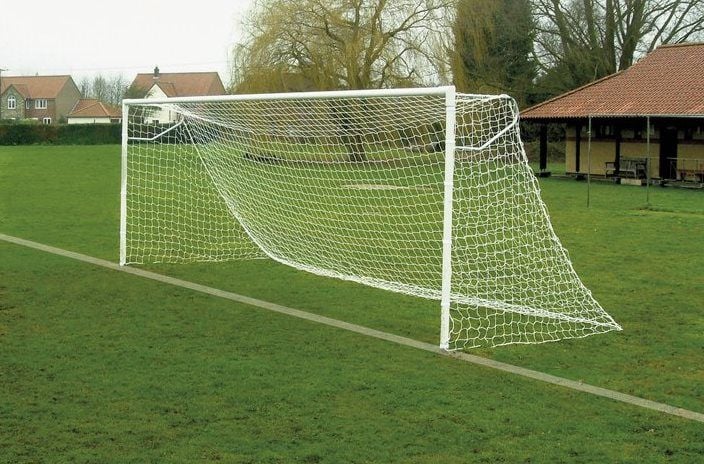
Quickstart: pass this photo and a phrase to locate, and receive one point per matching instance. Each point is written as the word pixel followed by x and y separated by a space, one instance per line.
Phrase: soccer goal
pixel 426 192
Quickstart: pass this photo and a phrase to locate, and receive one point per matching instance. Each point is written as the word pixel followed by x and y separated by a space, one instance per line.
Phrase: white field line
pixel 516 370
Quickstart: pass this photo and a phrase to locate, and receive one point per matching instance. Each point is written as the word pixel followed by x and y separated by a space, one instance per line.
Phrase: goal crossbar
pixel 322 95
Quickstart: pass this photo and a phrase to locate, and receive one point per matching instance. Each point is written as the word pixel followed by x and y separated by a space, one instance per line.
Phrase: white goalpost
pixel 426 192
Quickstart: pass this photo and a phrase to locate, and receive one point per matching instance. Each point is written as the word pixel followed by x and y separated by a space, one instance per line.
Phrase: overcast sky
pixel 86 37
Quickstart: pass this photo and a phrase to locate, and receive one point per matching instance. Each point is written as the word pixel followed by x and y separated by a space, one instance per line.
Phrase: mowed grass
pixel 97 366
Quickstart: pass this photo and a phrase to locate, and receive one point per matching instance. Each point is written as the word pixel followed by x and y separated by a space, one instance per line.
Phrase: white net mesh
pixel 352 187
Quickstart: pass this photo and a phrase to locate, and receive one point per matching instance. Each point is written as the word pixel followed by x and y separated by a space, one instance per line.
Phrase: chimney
pixel 156 73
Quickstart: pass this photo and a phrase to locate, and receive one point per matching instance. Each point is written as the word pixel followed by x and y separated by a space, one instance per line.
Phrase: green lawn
pixel 98 366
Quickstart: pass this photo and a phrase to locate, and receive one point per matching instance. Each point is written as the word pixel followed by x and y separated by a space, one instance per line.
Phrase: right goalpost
pixel 426 192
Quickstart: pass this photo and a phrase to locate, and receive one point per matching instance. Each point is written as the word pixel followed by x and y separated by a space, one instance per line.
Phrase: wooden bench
pixel 696 175
pixel 630 167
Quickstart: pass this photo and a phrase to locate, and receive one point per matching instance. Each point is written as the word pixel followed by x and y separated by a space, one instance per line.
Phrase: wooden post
pixel 647 161
pixel 577 146
pixel 589 163
pixel 544 151
pixel 617 157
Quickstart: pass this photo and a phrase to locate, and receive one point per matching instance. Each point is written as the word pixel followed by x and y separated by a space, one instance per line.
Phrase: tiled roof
pixel 92 108
pixel 182 84
pixel 168 88
pixel 667 82
pixel 36 86
pixel 20 88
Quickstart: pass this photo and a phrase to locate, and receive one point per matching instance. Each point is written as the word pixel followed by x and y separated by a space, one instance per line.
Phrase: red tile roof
pixel 21 88
pixel 36 86
pixel 182 84
pixel 667 82
pixel 169 89
pixel 92 108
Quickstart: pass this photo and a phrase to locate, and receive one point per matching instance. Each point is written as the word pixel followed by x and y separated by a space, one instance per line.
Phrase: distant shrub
pixel 26 122
pixel 89 134
pixel 20 133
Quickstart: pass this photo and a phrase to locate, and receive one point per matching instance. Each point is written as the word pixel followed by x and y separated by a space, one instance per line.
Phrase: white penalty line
pixel 477 360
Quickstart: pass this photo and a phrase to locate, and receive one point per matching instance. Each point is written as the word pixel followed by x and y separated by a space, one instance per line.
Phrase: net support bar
pixel 447 218
pixel 123 187
pixel 159 135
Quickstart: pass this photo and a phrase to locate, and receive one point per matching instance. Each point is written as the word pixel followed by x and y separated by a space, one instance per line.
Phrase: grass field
pixel 99 366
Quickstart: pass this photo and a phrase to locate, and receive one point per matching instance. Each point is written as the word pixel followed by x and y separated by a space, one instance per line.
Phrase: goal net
pixel 419 191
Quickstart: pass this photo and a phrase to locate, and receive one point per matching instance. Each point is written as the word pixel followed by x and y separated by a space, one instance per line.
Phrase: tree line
pixel 109 89
pixel 530 49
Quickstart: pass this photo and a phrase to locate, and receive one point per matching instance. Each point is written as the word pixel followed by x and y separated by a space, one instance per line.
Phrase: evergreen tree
pixel 494 47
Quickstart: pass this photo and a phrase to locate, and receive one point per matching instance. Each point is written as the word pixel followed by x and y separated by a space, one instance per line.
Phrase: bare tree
pixel 352 44
pixel 85 86
pixel 100 90
pixel 110 90
pixel 117 87
pixel 587 39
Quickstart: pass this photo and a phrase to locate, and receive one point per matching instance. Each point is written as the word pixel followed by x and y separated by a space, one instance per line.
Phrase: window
pixel 40 104
pixel 46 120
pixel 27 104
pixel 688 133
pixel 11 102
pixel 604 131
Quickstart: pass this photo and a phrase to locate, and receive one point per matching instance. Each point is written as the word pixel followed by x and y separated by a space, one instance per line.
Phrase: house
pixel 48 99
pixel 159 85
pixel 646 121
pixel 92 111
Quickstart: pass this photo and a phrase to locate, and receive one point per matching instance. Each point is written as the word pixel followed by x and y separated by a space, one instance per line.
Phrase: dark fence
pixel 60 134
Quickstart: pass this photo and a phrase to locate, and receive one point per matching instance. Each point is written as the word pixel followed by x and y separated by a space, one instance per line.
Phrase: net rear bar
pixel 419 191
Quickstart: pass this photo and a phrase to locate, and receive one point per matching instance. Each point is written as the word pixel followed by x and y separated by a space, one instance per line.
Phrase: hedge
pixel 60 134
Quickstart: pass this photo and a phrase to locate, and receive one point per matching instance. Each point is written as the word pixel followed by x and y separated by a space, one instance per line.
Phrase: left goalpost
pixel 426 192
